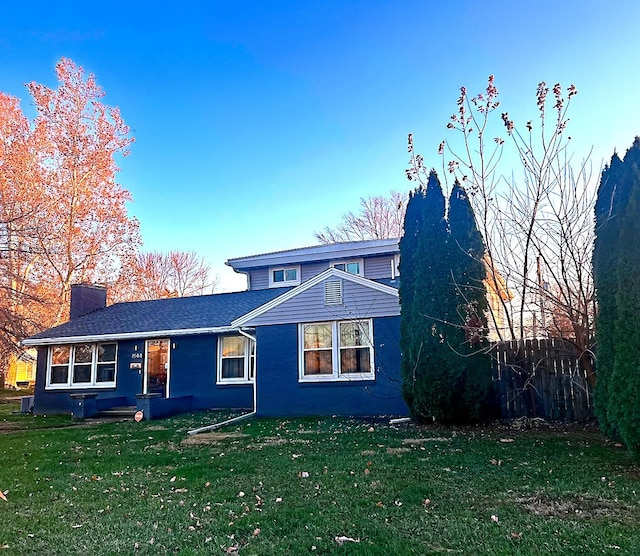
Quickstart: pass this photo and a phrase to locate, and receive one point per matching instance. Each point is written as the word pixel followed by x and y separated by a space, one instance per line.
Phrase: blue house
pixel 316 333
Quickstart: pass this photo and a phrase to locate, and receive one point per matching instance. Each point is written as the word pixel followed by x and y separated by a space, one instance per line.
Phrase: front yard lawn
pixel 311 486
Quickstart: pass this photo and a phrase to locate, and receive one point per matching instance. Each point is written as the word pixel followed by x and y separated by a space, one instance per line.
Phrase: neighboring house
pixel 21 369
pixel 317 332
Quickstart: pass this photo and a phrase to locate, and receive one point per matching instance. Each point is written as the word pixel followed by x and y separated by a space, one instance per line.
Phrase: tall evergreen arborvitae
pixel 408 247
pixel 605 282
pixel 616 275
pixel 468 337
pixel 439 282
pixel 432 309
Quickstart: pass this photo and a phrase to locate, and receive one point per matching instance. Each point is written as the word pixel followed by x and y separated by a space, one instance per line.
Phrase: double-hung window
pixel 82 366
pixel 236 359
pixel 337 350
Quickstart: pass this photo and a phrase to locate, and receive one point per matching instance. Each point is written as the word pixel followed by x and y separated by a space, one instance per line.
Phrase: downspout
pixel 239 417
pixel 255 369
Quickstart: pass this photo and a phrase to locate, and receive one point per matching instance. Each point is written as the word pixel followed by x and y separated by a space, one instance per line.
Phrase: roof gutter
pixel 126 336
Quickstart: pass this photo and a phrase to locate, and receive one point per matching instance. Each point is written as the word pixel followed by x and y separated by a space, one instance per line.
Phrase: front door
pixel 156 370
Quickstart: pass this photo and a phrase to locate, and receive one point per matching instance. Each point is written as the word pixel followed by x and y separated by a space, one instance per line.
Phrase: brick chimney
pixel 86 298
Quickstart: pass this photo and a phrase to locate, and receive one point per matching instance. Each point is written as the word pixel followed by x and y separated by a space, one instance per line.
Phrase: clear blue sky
pixel 260 122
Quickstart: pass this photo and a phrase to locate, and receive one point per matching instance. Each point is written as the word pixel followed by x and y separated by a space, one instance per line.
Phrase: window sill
pixel 333 378
pixel 82 387
pixel 236 382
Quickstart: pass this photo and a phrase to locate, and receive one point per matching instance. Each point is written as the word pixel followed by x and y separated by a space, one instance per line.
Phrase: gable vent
pixel 333 292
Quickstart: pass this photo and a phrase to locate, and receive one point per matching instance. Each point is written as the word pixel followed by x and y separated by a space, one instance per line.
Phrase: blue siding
pixel 378 267
pixel 280 393
pixel 259 279
pixel 193 373
pixel 358 302
pixel 309 270
pixel 128 384
pixel 374 269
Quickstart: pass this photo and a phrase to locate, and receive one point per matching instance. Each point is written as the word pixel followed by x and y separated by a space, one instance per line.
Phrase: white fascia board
pixel 352 249
pixel 317 279
pixel 126 336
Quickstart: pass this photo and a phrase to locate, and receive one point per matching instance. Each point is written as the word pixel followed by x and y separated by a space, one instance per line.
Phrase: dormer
pixel 372 259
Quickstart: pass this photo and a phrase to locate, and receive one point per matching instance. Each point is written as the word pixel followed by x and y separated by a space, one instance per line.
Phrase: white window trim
pixel 70 385
pixel 335 355
pixel 284 283
pixel 395 266
pixel 246 379
pixel 347 261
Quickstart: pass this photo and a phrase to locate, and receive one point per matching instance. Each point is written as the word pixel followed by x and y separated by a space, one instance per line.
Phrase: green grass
pixel 296 486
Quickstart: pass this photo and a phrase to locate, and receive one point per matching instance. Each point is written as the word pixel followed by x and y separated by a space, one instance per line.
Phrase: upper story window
pixel 338 350
pixel 284 276
pixel 355 266
pixel 82 366
pixel 236 359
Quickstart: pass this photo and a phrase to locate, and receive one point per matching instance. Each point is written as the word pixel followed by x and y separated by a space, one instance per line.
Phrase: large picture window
pixel 236 359
pixel 82 366
pixel 338 350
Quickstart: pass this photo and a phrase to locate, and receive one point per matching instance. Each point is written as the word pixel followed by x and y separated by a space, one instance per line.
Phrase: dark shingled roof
pixel 206 311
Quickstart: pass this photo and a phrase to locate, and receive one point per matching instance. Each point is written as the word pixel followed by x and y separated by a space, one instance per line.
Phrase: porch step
pixel 119 411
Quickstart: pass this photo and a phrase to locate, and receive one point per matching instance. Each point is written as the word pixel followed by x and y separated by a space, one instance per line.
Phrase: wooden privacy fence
pixel 541 378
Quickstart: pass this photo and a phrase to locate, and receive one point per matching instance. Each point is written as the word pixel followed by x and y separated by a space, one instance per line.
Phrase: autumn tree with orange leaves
pixel 63 216
pixel 20 202
pixel 88 233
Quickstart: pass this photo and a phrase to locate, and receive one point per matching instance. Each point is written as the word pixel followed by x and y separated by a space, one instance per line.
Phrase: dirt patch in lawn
pixel 418 441
pixel 270 441
pixel 391 451
pixel 211 438
pixel 9 426
pixel 574 507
